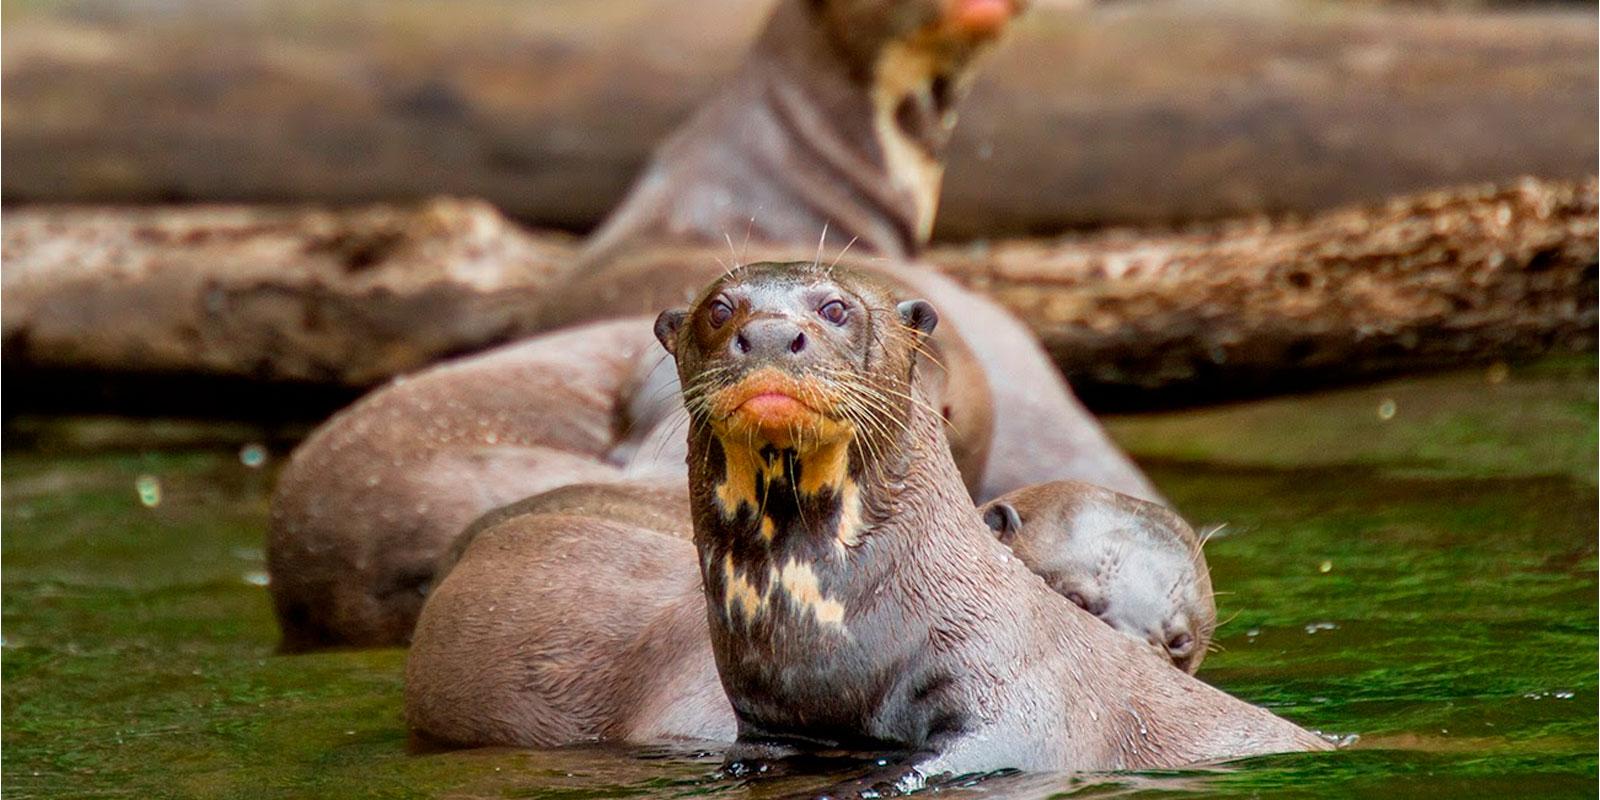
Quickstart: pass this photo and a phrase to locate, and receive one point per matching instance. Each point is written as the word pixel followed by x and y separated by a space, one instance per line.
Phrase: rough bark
pixel 348 297
pixel 1439 279
pixel 1134 113
pixel 344 299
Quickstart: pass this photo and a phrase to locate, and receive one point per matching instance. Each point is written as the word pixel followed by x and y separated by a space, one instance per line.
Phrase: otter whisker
pixel 841 255
pixel 817 261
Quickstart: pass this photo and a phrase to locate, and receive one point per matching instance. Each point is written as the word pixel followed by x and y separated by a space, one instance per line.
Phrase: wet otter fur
pixel 1134 564
pixel 856 601
pixel 851 594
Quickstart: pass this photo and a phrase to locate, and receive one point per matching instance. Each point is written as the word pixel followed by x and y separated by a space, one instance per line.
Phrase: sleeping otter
pixel 1134 564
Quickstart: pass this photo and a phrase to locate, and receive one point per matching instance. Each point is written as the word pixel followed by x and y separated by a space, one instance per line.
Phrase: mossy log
pixel 270 297
pixel 1129 113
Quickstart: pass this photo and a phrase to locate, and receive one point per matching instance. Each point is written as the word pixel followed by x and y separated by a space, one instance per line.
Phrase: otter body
pixel 851 594
pixel 1136 565
pixel 856 600
pixel 369 503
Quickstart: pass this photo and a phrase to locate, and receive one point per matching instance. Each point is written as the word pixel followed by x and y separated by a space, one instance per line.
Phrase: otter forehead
pixel 782 280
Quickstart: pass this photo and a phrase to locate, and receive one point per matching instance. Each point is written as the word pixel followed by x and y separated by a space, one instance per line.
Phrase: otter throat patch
pixel 796 581
pixel 901 71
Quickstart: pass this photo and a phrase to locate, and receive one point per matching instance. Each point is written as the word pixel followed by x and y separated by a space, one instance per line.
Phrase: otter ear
pixel 1003 520
pixel 918 315
pixel 667 326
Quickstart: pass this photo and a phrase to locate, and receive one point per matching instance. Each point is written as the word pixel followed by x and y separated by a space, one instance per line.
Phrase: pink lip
pixel 773 405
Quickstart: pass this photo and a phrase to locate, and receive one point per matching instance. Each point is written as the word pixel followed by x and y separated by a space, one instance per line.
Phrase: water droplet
pixel 253 455
pixel 257 578
pixel 1562 695
pixel 1386 409
pixel 372 480
pixel 491 437
pixel 149 489
pixel 1325 567
pixel 1497 372
pixel 1317 627
pixel 1252 633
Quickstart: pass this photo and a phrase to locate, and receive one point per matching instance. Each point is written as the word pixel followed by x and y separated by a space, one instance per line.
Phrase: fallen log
pixel 1254 306
pixel 1132 113
pixel 315 298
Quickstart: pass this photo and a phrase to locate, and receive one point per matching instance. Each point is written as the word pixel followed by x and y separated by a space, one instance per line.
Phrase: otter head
pixel 1135 565
pixel 949 33
pixel 797 380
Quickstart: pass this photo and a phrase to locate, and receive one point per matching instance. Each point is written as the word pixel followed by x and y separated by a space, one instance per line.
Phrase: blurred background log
pixel 1129 113
pixel 292 311
pixel 1255 306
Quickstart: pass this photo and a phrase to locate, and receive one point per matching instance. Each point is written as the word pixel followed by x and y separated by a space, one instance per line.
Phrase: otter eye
pixel 721 312
pixel 833 311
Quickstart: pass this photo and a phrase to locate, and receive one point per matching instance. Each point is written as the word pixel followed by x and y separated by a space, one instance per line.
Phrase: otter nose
pixel 1179 643
pixel 769 338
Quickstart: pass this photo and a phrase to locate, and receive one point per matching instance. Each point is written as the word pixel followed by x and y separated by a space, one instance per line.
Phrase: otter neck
pixel 881 129
pixel 790 542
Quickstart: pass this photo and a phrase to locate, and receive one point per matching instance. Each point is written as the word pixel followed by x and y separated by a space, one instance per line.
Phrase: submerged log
pixel 347 299
pixel 1131 113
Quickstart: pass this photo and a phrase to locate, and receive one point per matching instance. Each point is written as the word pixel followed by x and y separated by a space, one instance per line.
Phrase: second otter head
pixel 950 32
pixel 1134 564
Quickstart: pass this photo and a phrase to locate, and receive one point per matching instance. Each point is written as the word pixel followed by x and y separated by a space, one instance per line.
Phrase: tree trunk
pixel 258 297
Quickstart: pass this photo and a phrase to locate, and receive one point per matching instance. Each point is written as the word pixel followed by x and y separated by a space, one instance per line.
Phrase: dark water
pixel 1414 563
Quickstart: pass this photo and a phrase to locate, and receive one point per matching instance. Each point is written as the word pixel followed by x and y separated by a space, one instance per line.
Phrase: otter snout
pixel 769 339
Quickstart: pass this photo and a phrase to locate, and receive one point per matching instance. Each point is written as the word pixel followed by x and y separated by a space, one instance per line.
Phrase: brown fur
pixel 519 646
pixel 920 633
pixel 367 505
pixel 556 628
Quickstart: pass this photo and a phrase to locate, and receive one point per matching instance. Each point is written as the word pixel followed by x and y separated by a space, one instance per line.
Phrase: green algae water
pixel 1412 563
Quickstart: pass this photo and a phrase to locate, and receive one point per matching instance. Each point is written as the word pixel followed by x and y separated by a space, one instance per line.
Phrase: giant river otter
pixel 853 594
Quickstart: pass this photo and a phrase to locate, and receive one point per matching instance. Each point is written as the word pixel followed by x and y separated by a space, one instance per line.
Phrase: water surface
pixel 1413 562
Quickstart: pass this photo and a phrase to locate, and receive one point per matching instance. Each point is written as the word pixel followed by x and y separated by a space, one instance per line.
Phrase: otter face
pixel 779 355
pixel 1123 568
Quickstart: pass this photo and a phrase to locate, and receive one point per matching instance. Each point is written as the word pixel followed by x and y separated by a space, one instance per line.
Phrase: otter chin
pixel 775 408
